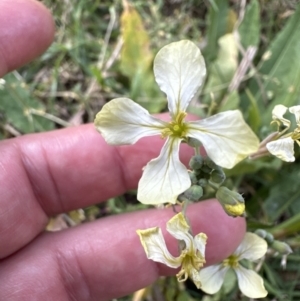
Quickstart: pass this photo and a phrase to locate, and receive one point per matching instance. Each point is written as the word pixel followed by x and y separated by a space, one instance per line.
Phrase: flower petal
pixel 200 242
pixel 179 70
pixel 250 283
pixel 252 247
pixel 296 111
pixel 165 177
pixel 179 228
pixel 277 115
pixel 282 148
pixel 226 137
pixel 122 121
pixel 155 247
pixel 212 278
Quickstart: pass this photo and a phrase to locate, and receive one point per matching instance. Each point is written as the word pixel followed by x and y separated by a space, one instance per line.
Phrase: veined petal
pixel 122 121
pixel 179 228
pixel 277 115
pixel 212 278
pixel 252 247
pixel 155 247
pixel 282 148
pixel 250 283
pixel 200 242
pixel 165 177
pixel 179 70
pixel 296 111
pixel 226 137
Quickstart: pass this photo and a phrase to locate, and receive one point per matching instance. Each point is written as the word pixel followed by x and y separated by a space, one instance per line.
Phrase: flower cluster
pixel 283 146
pixel 180 71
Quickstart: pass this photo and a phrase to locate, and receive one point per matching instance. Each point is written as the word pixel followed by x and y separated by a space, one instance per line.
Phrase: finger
pixel 44 174
pixel 104 259
pixel 26 30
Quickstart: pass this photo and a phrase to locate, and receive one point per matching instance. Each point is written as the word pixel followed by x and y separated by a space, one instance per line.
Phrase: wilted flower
pixel 250 283
pixel 191 258
pixel 283 148
pixel 179 70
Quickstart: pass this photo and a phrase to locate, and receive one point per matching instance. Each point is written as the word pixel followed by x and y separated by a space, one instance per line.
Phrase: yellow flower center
pixel 190 262
pixel 176 128
pixel 296 134
pixel 232 261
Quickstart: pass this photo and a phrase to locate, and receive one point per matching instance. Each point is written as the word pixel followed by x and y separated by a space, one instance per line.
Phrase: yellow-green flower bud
pixel 194 193
pixel 231 201
pixel 281 247
pixel 196 162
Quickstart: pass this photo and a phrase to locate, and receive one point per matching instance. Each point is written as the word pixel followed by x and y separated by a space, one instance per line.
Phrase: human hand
pixel 49 173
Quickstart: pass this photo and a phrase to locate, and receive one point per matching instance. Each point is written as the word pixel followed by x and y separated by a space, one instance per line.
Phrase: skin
pixel 49 173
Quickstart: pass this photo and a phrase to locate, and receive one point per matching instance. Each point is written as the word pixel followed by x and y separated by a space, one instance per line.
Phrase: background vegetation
pixel 105 49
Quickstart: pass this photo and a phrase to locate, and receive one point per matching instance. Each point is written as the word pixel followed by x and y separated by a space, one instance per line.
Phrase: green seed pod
pixel 231 201
pixel 196 162
pixel 265 235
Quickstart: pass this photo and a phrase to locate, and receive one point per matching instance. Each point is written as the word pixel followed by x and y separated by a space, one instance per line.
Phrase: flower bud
pixel 202 182
pixel 210 163
pixel 193 178
pixel 196 162
pixel 265 235
pixel 217 176
pixel 281 247
pixel 231 201
pixel 194 193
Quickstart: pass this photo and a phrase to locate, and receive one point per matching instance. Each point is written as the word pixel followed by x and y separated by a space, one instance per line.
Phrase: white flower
pixel 250 283
pixel 191 258
pixel 283 148
pixel 179 70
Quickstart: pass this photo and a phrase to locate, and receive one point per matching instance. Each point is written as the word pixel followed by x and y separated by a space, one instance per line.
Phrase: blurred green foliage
pixel 104 49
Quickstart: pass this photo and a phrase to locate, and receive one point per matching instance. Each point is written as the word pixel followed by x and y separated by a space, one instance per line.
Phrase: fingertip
pixel 26 31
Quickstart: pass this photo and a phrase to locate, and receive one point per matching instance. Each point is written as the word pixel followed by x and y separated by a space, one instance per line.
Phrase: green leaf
pixel 249 29
pixel 16 103
pixel 217 25
pixel 281 72
pixel 284 193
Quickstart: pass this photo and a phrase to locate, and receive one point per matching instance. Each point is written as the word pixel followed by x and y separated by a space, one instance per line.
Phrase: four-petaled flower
pixel 191 258
pixel 283 148
pixel 250 283
pixel 179 70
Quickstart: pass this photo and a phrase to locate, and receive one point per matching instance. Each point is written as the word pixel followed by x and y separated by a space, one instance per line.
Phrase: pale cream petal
pixel 212 278
pixel 252 247
pixel 155 247
pixel 179 228
pixel 122 121
pixel 282 148
pixel 195 277
pixel 226 137
pixel 200 242
pixel 179 70
pixel 296 111
pixel 165 177
pixel 277 115
pixel 250 283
